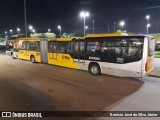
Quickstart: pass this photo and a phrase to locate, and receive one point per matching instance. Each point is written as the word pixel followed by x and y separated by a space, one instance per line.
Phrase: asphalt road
pixel 28 87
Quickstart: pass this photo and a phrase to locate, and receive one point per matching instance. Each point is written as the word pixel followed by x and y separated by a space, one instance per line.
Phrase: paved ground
pixel 27 86
pixel 29 92
pixel 156 71
pixel 145 99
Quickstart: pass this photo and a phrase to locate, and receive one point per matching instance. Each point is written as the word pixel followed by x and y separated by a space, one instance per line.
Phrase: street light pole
pixel 59 27
pixel 18 29
pixel 84 15
pixel 148 25
pixel 147 17
pixel 108 27
pixel 84 24
pixel 49 30
pixel 86 27
pixel 93 27
pixel 122 23
pixel 11 32
pixel 5 32
pixel 157 26
pixel 25 17
pixel 114 26
pixel 33 30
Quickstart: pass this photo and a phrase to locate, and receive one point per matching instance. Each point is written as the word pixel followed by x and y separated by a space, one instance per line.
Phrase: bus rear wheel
pixel 94 69
pixel 32 58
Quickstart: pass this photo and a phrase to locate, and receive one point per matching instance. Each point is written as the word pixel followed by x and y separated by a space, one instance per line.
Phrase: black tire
pixel 12 56
pixel 32 59
pixel 94 69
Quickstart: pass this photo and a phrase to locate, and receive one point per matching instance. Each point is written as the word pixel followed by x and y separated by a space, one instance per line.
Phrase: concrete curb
pixel 154 76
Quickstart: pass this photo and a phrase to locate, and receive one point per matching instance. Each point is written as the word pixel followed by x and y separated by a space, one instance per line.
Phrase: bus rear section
pixel 126 56
pixel 29 49
pixel 12 48
pixel 148 55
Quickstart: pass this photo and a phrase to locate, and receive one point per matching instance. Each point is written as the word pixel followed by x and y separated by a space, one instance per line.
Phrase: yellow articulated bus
pixel 114 54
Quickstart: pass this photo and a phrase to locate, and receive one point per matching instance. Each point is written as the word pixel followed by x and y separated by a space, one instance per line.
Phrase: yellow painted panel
pixel 25 54
pixel 20 54
pixel 64 60
pixel 64 39
pixel 30 39
pixel 105 35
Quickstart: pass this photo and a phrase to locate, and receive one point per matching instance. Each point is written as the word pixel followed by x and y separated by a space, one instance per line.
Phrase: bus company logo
pixel 21 114
pixel 94 58
pixel 65 57
pixel 6 114
pixel 38 54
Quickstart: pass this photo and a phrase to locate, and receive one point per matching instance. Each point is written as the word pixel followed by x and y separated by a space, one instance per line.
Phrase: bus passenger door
pixel 54 54
pixel 52 50
pixel 79 51
pixel 44 50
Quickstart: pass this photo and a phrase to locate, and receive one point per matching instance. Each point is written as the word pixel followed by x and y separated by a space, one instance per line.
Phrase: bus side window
pixel 81 47
pixel 75 47
pixel 25 45
pixel 63 47
pixel 104 48
pixel 37 46
pixel 93 47
pixel 32 45
pixel 52 46
pixel 69 47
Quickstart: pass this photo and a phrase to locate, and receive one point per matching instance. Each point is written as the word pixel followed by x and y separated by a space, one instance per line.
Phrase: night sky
pixel 44 14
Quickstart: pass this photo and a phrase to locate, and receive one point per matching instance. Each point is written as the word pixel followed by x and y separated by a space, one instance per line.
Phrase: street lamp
pixel 18 29
pixel 86 27
pixel 49 30
pixel 11 31
pixel 84 15
pixel 147 17
pixel 122 23
pixel 30 27
pixel 59 27
pixel 148 25
pixel 33 31
pixel 5 32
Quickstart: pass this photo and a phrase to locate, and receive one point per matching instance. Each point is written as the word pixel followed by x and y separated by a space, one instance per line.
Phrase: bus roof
pixel 60 39
pixel 105 35
pixel 50 39
pixel 29 38
pixel 67 39
pixel 64 39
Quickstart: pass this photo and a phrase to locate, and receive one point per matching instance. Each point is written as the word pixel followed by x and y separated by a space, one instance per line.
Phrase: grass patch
pixel 157 54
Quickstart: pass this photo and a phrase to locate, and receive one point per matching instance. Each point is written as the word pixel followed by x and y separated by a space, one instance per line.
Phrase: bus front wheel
pixel 33 60
pixel 94 69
